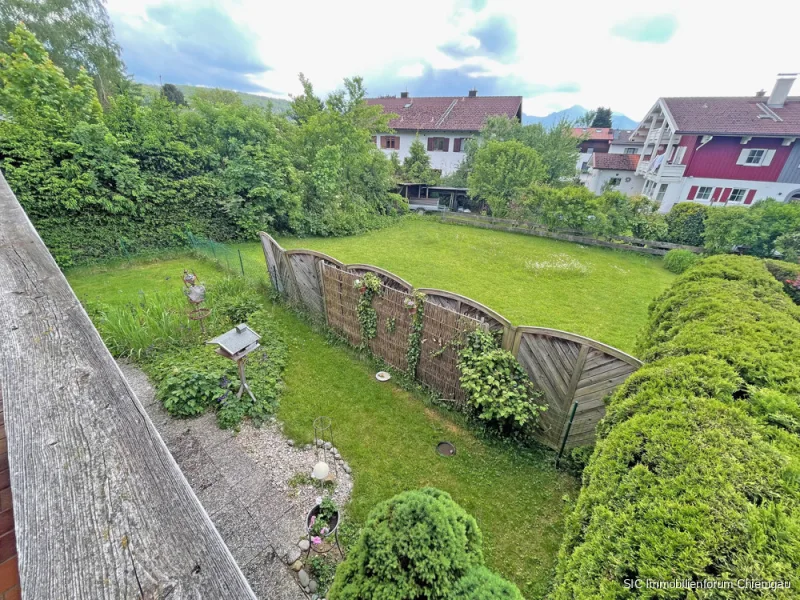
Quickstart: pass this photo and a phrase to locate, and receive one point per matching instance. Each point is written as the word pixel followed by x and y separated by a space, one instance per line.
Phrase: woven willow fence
pixel 575 373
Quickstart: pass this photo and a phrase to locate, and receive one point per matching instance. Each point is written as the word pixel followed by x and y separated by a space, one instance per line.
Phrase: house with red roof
pixel 443 124
pixel 614 170
pixel 721 151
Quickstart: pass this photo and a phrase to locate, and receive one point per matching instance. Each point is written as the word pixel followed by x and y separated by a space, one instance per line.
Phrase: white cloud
pixel 732 51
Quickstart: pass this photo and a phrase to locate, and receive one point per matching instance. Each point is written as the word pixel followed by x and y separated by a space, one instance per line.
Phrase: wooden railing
pixel 100 507
pixel 617 242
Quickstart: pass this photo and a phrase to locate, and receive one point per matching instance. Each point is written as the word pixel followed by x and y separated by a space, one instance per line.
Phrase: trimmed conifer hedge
pixel 696 473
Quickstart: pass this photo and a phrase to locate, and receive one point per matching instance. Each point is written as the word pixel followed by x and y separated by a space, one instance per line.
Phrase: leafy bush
pixel 788 244
pixel 188 391
pixel 495 383
pixel 481 584
pixel 236 310
pixel 368 287
pixel 686 223
pixel 418 544
pixel 789 275
pixel 696 473
pixel 756 229
pixel 678 261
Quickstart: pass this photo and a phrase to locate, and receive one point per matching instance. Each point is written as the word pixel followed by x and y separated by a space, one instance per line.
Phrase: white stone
pixel 293 555
pixel 312 585
pixel 303 577
pixel 303 545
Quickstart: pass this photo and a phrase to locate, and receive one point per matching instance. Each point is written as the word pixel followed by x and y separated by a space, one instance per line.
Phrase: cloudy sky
pixel 555 54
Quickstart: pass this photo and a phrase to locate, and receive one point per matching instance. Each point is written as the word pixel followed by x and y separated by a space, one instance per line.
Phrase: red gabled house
pixel 722 150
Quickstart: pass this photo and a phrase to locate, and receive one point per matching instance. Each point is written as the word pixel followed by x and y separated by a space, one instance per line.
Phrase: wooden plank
pixel 101 508
pixel 574 337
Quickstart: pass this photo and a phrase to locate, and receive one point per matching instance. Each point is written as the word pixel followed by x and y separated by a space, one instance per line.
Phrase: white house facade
pixel 443 124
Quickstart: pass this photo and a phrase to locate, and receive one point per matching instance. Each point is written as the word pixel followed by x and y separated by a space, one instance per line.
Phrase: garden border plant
pixel 696 473
pixel 368 286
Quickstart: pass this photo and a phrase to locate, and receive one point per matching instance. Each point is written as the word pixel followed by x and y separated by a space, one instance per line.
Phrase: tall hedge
pixel 696 473
pixel 686 223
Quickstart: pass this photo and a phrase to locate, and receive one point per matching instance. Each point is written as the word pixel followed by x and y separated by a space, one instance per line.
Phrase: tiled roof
pixel 594 133
pixel 623 135
pixel 615 162
pixel 447 113
pixel 734 116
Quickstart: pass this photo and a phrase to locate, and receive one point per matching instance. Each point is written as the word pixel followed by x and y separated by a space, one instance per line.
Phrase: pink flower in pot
pixel 316 540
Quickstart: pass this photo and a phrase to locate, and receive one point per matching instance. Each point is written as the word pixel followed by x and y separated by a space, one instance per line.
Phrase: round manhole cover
pixel 446 449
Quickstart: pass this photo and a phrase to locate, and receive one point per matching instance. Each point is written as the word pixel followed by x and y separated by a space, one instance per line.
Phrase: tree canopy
pixel 144 174
pixel 602 117
pixel 416 166
pixel 171 92
pixel 77 34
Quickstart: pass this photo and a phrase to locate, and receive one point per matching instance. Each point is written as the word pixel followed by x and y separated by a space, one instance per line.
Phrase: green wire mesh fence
pixel 229 257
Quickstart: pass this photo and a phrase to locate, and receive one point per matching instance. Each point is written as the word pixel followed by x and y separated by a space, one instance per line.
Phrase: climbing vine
pixel 495 382
pixel 368 287
pixel 416 307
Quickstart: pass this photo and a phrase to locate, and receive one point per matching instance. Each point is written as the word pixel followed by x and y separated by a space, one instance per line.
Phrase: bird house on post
pixel 236 344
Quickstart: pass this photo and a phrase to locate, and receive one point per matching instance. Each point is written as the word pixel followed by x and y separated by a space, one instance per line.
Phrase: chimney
pixel 781 90
pixel 761 93
pixel 404 94
pixel 473 93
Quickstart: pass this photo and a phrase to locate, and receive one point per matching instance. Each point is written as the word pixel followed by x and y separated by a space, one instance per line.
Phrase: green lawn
pixel 596 292
pixel 389 435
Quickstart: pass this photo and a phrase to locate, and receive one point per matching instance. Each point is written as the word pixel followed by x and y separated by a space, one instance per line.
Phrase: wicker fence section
pixel 443 330
pixel 574 373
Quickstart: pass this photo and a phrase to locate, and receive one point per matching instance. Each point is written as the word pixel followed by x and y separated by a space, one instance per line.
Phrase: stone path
pixel 242 480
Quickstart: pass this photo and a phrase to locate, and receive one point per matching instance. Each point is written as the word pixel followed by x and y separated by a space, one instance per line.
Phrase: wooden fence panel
pixel 569 368
pixel 272 252
pixel 341 302
pixel 387 278
pixel 394 327
pixel 442 330
pixel 305 268
pixel 472 309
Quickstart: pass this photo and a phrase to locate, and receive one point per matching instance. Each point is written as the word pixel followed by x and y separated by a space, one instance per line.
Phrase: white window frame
pixel 677 157
pixel 629 151
pixel 699 195
pixel 662 190
pixel 741 198
pixel 755 157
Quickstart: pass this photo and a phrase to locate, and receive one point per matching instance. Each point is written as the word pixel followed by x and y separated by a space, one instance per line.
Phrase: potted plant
pixel 322 521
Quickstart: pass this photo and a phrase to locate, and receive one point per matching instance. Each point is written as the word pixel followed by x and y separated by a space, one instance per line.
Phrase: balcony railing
pixel 667 172
pixel 101 509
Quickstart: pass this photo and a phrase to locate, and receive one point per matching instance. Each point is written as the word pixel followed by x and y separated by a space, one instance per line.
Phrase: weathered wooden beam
pixel 100 507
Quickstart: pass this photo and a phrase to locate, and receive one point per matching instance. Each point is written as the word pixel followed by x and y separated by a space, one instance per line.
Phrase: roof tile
pixel 447 113
pixel 734 116
pixel 615 162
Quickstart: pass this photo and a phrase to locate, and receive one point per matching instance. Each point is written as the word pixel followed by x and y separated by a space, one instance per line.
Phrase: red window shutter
pixel 430 144
pixel 715 194
pixel 750 195
pixel 726 193
pixel 397 142
pixel 383 141
pixel 457 145
pixel 692 192
pixel 446 144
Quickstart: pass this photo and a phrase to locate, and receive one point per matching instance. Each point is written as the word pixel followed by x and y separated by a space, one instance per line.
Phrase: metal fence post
pixel 241 263
pixel 566 434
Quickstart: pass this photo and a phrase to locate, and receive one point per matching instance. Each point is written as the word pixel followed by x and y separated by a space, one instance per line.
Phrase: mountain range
pixel 618 120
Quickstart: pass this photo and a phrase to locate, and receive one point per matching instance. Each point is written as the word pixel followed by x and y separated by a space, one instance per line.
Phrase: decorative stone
pixel 290 442
pixel 293 555
pixel 306 590
pixel 337 456
pixel 319 443
pixel 303 545
pixel 327 445
pixel 346 468
pixel 312 585
pixel 334 450
pixel 297 565
pixel 303 577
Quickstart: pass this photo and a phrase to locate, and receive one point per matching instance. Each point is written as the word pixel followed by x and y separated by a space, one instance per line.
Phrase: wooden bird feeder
pixel 236 344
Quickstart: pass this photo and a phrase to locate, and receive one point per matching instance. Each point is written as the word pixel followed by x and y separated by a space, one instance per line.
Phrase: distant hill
pixel 278 105
pixel 619 121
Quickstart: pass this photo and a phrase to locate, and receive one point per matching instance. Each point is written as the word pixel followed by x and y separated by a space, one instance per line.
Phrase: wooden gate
pixel 571 369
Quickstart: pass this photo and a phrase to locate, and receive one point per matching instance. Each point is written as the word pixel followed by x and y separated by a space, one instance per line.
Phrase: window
pixel 630 150
pixel 704 193
pixel 614 181
pixel 438 144
pixel 390 142
pixel 661 191
pixel 458 144
pixel 648 188
pixel 677 158
pixel 755 157
pixel 737 195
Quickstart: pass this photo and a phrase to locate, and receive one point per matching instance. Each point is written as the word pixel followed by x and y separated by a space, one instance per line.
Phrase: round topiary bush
pixel 686 223
pixel 482 584
pixel 416 545
pixel 678 261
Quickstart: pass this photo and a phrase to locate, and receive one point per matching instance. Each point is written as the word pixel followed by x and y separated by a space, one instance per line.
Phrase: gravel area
pixel 248 484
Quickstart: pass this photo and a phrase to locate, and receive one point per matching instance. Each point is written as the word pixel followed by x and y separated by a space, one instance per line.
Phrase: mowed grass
pixel 597 292
pixel 389 435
